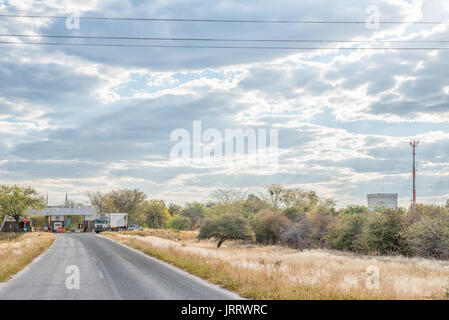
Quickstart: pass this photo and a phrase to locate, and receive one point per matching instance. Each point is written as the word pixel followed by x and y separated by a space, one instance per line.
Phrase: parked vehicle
pixel 100 225
pixel 135 228
pixel 111 222
pixel 118 221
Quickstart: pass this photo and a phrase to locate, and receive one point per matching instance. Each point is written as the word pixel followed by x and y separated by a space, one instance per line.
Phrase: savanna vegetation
pixel 293 244
pixel 19 249
pixel 293 218
pixel 15 200
pixel 282 244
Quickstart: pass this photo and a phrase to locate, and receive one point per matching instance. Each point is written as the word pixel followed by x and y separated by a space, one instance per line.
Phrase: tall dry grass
pixel 274 272
pixel 18 249
pixel 164 233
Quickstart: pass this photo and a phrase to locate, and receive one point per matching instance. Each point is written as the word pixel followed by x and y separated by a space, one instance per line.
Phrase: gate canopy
pixel 63 211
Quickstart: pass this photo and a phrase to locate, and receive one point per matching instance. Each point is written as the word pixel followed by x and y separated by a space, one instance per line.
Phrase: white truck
pixel 111 222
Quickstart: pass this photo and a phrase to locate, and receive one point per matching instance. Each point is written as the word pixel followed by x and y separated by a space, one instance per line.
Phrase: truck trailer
pixel 111 222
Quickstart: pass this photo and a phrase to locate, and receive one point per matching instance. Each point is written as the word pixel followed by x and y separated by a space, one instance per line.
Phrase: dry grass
pixel 164 234
pixel 273 272
pixel 18 249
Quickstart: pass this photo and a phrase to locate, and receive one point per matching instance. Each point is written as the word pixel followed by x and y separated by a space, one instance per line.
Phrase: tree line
pixel 295 218
pixel 287 216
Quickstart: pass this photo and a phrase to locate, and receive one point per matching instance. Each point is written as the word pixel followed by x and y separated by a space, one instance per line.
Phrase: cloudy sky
pixel 79 118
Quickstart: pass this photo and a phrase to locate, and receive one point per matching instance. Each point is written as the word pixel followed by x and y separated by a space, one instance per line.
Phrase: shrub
pixel 347 233
pixel 294 214
pixel 268 227
pixel 299 235
pixel 429 238
pixel 382 232
pixel 195 211
pixel 156 213
pixel 174 209
pixel 41 221
pixel 178 222
pixel 322 222
pixel 353 209
pixel 227 227
pixel 253 204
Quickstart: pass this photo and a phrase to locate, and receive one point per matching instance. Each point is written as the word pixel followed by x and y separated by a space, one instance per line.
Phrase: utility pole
pixel 414 144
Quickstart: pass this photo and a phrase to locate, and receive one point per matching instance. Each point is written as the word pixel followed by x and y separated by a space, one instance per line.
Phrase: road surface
pixel 107 270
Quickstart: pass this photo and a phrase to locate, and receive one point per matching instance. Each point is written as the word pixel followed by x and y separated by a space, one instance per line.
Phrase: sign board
pixel 57 225
pixel 57 218
pixel 68 223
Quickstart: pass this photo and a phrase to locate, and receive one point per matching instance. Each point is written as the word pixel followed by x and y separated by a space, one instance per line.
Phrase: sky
pixel 84 118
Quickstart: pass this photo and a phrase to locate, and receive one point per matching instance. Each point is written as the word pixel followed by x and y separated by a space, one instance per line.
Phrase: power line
pixel 214 47
pixel 219 20
pixel 218 39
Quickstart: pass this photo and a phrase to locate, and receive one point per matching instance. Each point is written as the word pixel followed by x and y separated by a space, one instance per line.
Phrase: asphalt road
pixel 107 270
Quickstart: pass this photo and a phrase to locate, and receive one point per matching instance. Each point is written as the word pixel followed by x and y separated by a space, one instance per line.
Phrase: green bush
pixel 382 233
pixel 352 209
pixel 294 214
pixel 322 222
pixel 40 221
pixel 156 213
pixel 347 233
pixel 429 238
pixel 178 222
pixel 226 227
pixel 268 226
pixel 195 211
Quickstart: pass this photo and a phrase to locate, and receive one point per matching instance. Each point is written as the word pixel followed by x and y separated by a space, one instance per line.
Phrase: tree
pixel 99 200
pixel 253 204
pixel 294 214
pixel 38 221
pixel 228 197
pixel 428 210
pixel 322 221
pixel 174 209
pixel 15 200
pixel 353 209
pixel 300 234
pixel 178 222
pixel 227 227
pixel 156 213
pixel 382 232
pixel 346 234
pixel 275 193
pixel 326 205
pixel 302 201
pixel 268 226
pixel 447 204
pixel 195 211
pixel 429 238
pixel 127 200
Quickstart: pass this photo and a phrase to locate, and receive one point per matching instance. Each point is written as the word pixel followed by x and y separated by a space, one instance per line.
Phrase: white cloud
pixel 83 118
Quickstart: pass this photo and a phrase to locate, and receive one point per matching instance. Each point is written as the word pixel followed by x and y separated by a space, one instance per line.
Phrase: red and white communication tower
pixel 414 144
